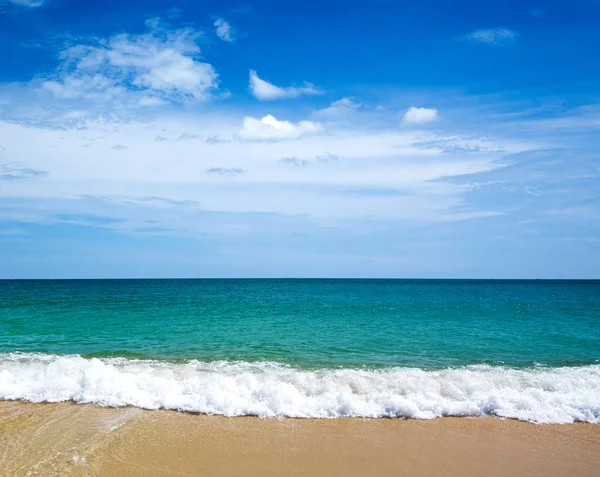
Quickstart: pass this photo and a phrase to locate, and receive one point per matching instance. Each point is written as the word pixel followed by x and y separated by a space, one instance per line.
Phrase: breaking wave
pixel 539 394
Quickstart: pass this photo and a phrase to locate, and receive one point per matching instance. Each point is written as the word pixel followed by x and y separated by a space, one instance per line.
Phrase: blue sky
pixel 327 139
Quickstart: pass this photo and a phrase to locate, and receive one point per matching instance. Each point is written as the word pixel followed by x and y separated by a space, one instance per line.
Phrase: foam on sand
pixel 544 395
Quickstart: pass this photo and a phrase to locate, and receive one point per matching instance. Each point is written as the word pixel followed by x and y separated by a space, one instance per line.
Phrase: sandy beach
pixel 78 440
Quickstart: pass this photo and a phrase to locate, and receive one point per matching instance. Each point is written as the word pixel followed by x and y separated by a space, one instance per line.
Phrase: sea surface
pixel 527 350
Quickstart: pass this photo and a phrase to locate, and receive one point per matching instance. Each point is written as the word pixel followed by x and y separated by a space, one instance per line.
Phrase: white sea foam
pixel 544 395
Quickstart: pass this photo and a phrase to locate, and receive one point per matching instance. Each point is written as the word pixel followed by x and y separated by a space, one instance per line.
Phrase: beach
pixel 323 238
pixel 78 440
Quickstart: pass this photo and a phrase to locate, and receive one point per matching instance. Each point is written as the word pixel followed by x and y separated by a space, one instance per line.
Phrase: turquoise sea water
pixel 57 338
pixel 308 322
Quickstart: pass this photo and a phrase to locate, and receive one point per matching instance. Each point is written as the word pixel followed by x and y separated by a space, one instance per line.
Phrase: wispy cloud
pixel 339 109
pixel 494 36
pixel 460 145
pixel 318 159
pixel 225 171
pixel 293 161
pixel 28 3
pixel 15 170
pixel 270 128
pixel 216 139
pixel 327 157
pixel 373 159
pixel 330 172
pixel 174 13
pixel 224 30
pixel 265 91
pixel 189 136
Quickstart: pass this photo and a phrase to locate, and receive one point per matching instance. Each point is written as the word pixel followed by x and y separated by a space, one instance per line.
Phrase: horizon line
pixel 301 278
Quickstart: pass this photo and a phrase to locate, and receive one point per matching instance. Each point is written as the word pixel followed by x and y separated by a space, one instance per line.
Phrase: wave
pixel 266 389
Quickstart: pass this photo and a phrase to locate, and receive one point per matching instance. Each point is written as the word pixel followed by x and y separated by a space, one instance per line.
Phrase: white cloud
pixel 147 69
pixel 420 115
pixel 224 30
pixel 347 174
pixel 346 103
pixel 28 3
pixel 494 36
pixel 266 91
pixel 339 109
pixel 270 128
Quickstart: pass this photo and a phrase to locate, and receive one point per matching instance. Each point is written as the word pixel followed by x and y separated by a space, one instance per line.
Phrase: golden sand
pixel 67 439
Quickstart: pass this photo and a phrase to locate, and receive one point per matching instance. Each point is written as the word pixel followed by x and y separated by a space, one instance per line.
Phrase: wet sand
pixel 67 439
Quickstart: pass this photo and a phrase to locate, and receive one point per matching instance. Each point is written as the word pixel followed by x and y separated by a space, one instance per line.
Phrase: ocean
pixel 527 350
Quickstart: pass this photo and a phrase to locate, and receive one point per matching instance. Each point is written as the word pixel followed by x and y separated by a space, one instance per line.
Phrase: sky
pixel 430 139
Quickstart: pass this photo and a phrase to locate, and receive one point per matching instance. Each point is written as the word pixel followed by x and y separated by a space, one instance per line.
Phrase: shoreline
pixel 86 439
pixel 131 407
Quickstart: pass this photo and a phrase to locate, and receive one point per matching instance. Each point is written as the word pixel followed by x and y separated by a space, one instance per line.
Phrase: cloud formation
pixel 339 109
pixel 225 171
pixel 15 170
pixel 362 172
pixel 157 67
pixel 28 3
pixel 494 36
pixel 224 30
pixel 189 136
pixel 265 91
pixel 318 159
pixel 293 161
pixel 420 115
pixel 327 157
pixel 270 128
